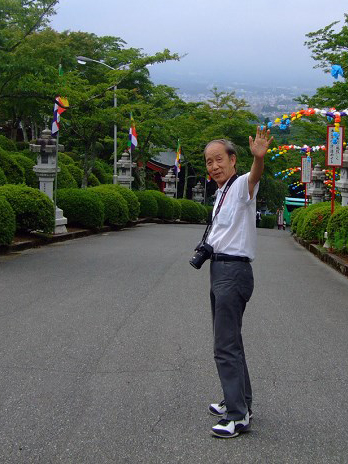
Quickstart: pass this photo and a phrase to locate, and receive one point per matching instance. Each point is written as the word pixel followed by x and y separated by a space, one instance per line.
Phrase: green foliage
pixel 3 179
pixel 27 165
pixel 268 221
pixel 293 216
pixel 81 207
pixel 315 223
pixel 191 211
pixel 102 172
pixel 297 223
pixel 77 173
pixel 7 144
pixel 13 171
pixel 164 204
pixel 148 204
pixel 33 209
pixel 176 209
pixel 22 146
pixel 93 180
pixel 65 177
pixel 203 212
pixel 63 158
pixel 115 206
pixel 337 229
pixel 129 196
pixel 7 222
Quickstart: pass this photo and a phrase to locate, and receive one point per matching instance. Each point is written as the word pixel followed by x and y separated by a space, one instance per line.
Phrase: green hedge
pixel 337 229
pixel 7 144
pixel 65 159
pixel 165 205
pixel 148 204
pixel 300 218
pixel 13 171
pixel 65 177
pixel 115 206
pixel 77 174
pixel 81 207
pixel 176 209
pixel 129 196
pixel 315 223
pixel 7 222
pixel 102 171
pixel 22 146
pixel 92 180
pixel 33 209
pixel 268 221
pixel 191 211
pixel 27 165
pixel 3 178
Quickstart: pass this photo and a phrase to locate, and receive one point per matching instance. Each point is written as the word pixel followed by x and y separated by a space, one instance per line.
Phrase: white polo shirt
pixel 234 228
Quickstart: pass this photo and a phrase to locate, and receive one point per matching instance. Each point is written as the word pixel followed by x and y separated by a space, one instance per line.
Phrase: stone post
pixel 318 190
pixel 342 183
pixel 125 170
pixel 45 169
pixel 170 180
pixel 198 192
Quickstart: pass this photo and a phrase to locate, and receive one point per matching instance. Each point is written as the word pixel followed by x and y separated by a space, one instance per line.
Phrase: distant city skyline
pixel 226 42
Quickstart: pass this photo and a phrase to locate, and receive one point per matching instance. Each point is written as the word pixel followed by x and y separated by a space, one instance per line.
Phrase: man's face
pixel 220 166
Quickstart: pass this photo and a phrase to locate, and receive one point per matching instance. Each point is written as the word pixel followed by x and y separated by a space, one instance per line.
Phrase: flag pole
pixel 56 177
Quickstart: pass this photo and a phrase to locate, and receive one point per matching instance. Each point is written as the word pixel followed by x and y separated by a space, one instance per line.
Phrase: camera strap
pixel 222 198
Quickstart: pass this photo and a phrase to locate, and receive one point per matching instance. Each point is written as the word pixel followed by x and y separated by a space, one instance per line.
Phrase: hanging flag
pixel 208 178
pixel 133 136
pixel 60 105
pixel 178 158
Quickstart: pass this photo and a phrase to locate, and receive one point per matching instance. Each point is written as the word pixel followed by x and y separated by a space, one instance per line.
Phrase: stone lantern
pixel 318 190
pixel 342 183
pixel 45 169
pixel 125 170
pixel 170 181
pixel 198 192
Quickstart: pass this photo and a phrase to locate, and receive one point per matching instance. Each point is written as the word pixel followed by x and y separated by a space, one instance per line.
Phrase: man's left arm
pixel 258 148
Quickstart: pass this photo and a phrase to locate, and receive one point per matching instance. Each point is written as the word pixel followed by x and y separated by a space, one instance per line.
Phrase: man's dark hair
pixel 229 147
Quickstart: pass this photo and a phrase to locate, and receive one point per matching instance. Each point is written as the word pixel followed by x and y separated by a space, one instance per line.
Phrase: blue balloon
pixel 336 70
pixel 269 125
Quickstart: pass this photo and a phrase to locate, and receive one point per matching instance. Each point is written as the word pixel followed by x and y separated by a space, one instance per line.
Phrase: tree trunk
pixel 25 133
pixel 142 176
pixel 185 181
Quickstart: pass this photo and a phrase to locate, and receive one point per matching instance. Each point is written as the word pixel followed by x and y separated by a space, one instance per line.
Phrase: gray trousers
pixel 232 284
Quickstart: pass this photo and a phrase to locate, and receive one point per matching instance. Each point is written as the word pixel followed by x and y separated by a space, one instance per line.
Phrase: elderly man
pixel 233 239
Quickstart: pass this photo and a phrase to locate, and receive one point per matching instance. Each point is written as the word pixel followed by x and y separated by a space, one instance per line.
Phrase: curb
pixel 332 260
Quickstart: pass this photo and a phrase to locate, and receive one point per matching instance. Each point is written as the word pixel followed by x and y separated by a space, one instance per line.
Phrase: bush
pixel 33 209
pixel 115 206
pixel 7 222
pixel 204 213
pixel 77 174
pixel 27 165
pixel 63 158
pixel 92 180
pixel 3 179
pixel 268 221
pixel 13 171
pixel 164 203
pixel 81 207
pixel 102 171
pixel 176 209
pixel 190 211
pixel 315 223
pixel 148 204
pixel 65 177
pixel 300 218
pixel 129 196
pixel 22 146
pixel 7 144
pixel 337 229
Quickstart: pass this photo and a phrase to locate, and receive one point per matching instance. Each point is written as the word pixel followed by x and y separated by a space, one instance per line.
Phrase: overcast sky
pixel 256 42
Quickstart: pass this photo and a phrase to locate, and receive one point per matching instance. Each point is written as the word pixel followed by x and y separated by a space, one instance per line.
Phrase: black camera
pixel 203 251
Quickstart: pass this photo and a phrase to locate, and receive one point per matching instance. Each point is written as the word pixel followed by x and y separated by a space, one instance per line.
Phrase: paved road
pixel 106 354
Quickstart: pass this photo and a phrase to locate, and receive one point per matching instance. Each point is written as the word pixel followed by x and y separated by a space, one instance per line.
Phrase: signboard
pixel 306 169
pixel 334 151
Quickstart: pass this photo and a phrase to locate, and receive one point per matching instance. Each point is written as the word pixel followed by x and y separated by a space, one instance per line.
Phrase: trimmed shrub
pixel 130 197
pixel 337 229
pixel 7 222
pixel 13 171
pixel 7 144
pixel 190 211
pixel 92 180
pixel 102 171
pixel 302 216
pixel 33 209
pixel 3 179
pixel 65 177
pixel 204 213
pixel 30 154
pixel 22 146
pixel 27 165
pixel 148 204
pixel 77 174
pixel 164 203
pixel 115 206
pixel 65 159
pixel 81 207
pixel 268 221
pixel 176 209
pixel 293 215
pixel 315 223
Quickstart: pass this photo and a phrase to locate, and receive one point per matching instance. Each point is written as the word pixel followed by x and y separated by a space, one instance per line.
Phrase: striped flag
pixel 178 158
pixel 60 105
pixel 133 136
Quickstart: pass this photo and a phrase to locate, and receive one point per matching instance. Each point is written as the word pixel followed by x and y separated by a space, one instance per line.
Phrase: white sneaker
pixel 230 428
pixel 220 409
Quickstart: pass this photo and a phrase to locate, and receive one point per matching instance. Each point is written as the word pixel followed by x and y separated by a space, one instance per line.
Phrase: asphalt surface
pixel 106 354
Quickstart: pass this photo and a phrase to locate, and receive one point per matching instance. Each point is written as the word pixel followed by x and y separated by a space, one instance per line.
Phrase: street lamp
pixel 83 60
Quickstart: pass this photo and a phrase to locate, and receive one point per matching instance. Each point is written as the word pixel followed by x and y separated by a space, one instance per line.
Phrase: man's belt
pixel 224 257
